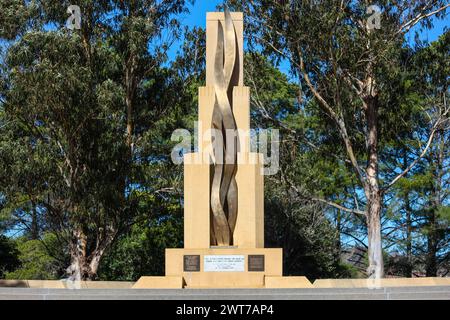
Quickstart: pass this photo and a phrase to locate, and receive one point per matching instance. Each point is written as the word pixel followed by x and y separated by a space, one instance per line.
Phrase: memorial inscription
pixel 191 263
pixel 224 263
pixel 256 263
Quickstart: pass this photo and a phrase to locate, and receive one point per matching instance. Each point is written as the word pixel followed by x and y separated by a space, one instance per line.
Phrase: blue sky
pixel 197 18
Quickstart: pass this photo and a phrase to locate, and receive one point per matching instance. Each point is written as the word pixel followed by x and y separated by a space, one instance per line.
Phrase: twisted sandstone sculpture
pixel 224 188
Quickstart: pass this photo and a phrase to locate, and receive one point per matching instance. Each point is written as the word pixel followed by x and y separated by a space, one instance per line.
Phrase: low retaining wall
pixel 382 283
pixel 62 284
pixel 320 283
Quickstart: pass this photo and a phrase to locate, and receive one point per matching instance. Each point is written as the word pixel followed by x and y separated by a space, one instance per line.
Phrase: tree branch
pixel 404 28
pixel 337 206
pixel 327 202
pixel 340 122
pixel 413 164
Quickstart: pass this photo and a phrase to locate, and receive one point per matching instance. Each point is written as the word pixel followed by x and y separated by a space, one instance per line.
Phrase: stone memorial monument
pixel 223 183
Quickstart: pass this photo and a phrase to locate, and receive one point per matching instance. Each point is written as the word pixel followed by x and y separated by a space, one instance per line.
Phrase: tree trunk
pixel 131 82
pixel 129 104
pixel 437 159
pixel 430 264
pixel 130 123
pixel 338 228
pixel 94 264
pixel 375 269
pixel 408 215
pixel 409 269
pixel 77 268
pixel 34 222
pixel 84 266
pixel 84 263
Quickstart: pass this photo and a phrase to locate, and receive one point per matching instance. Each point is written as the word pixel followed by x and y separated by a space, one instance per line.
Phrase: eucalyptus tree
pixel 341 51
pixel 82 101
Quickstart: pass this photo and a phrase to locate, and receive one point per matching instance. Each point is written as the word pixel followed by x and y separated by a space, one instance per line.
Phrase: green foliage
pixel 14 15
pixel 87 119
pixel 368 100
pixel 142 250
pixel 444 214
pixel 8 256
pixel 308 240
pixel 36 259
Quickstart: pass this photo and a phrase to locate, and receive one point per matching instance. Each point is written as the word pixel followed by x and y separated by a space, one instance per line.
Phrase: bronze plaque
pixel 256 263
pixel 191 263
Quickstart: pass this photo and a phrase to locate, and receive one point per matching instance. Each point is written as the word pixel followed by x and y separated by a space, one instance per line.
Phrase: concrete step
pixel 404 293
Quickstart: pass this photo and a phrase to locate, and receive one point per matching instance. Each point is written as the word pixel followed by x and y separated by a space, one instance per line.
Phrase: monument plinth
pixel 223 183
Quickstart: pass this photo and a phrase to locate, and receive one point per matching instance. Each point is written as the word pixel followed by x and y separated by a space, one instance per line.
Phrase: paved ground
pixel 404 293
